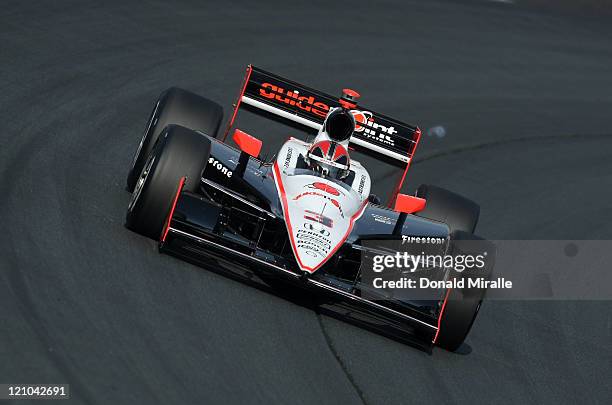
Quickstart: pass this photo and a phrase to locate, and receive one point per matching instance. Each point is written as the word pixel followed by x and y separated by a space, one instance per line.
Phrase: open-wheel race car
pixel 303 215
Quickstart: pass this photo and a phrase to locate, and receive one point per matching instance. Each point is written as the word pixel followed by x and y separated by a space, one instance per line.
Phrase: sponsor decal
pixel 288 158
pixel 324 187
pixel 374 131
pixel 293 98
pixel 220 167
pixel 423 239
pixel 320 218
pixel 364 120
pixel 366 125
pixel 361 184
pixel 314 228
pixel 313 243
pixel 382 218
pixel 334 202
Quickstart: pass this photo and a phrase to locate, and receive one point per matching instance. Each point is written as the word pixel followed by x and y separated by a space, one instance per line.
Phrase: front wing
pixel 194 237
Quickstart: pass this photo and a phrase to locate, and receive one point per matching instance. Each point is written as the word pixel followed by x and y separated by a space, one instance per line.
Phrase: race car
pixel 307 215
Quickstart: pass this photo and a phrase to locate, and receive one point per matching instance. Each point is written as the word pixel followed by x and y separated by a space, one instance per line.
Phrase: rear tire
pixel 462 305
pixel 458 212
pixel 178 153
pixel 179 107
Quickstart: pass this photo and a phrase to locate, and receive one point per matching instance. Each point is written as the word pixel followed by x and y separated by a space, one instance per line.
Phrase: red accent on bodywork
pixel 281 189
pixel 334 202
pixel 176 197
pixel 409 204
pixel 398 187
pixel 435 339
pixel 325 187
pixel 306 193
pixel 360 118
pixel 247 143
pixel 238 101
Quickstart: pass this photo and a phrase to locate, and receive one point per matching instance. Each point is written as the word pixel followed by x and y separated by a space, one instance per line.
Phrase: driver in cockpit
pixel 328 153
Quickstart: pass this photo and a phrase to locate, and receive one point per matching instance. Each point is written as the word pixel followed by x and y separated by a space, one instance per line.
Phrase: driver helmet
pixel 329 158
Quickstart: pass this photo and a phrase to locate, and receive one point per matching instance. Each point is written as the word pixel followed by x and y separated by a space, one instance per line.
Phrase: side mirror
pixel 409 204
pixel 247 143
pixel 406 204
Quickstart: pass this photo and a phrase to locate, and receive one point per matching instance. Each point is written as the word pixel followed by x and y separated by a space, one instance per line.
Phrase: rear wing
pixel 375 134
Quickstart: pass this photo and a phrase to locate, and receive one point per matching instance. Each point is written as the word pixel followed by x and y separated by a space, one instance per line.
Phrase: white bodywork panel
pixel 319 212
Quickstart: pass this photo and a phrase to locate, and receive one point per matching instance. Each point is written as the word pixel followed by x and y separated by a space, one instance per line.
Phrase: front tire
pixel 179 152
pixel 461 306
pixel 179 107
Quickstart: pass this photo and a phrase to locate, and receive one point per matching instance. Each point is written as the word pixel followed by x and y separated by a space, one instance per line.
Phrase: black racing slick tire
pixel 179 107
pixel 179 152
pixel 458 212
pixel 460 306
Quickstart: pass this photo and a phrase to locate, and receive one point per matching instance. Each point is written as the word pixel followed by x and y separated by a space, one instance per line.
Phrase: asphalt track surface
pixel 524 95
